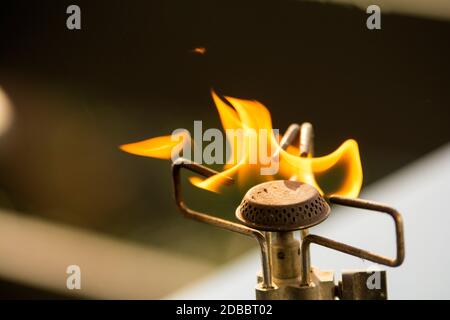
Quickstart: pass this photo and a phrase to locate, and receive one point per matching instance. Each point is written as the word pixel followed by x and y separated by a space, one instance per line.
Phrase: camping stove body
pixel 278 215
pixel 287 284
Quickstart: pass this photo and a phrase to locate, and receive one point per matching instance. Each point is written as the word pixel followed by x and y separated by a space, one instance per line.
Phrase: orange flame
pixel 159 147
pixel 252 117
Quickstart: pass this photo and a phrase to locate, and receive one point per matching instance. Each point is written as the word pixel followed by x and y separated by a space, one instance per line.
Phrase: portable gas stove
pixel 273 212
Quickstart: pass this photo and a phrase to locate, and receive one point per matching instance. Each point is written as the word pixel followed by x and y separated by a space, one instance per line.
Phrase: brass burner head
pixel 282 205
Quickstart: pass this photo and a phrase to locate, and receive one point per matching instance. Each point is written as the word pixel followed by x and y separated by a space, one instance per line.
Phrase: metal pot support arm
pixel 215 221
pixel 325 242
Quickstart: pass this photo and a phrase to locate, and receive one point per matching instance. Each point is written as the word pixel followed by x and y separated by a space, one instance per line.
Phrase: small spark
pixel 199 50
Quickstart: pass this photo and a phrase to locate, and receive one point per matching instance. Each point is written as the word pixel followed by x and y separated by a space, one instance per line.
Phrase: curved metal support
pixel 306 151
pixel 292 133
pixel 363 204
pixel 306 140
pixel 218 222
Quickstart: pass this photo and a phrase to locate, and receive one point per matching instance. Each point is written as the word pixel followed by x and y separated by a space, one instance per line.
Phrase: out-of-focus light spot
pixel 6 112
pixel 199 50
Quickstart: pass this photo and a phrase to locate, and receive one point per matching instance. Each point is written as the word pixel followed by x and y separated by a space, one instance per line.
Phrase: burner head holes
pixel 282 205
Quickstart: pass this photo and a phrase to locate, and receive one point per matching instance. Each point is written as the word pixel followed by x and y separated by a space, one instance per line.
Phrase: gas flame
pixel 251 116
pixel 159 147
pixel 199 50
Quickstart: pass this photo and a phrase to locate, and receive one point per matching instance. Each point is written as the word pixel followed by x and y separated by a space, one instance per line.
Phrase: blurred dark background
pixel 129 74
